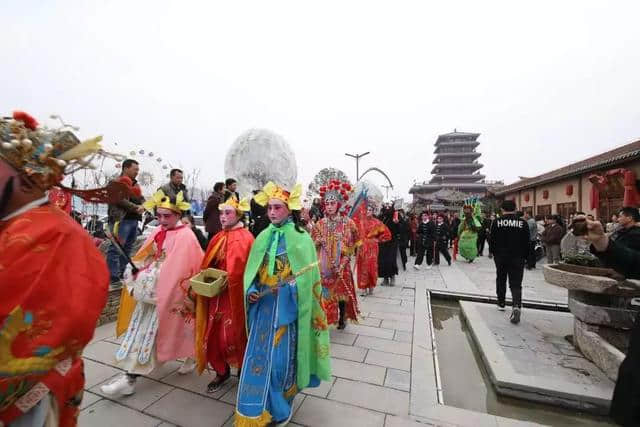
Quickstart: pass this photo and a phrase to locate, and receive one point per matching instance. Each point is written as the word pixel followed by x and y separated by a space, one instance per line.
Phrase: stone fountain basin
pixel 590 283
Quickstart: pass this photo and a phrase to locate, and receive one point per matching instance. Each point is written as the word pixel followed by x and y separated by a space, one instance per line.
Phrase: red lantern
pixel 545 194
pixel 526 197
pixel 569 190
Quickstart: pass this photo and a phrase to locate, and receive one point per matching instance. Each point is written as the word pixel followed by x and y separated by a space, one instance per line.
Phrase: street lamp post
pixel 357 157
pixel 387 187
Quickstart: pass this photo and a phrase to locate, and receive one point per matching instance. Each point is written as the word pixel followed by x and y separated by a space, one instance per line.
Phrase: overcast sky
pixel 545 83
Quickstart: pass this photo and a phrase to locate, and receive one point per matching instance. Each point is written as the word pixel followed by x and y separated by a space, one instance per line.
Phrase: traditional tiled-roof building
pixel 599 185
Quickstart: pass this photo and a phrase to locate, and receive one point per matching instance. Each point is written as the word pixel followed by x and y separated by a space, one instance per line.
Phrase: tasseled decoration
pixel 244 421
pixel 86 148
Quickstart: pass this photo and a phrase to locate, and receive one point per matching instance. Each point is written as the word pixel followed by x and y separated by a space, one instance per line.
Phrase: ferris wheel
pixel 154 170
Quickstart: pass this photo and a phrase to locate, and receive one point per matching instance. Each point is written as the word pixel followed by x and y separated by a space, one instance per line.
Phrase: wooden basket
pixel 209 282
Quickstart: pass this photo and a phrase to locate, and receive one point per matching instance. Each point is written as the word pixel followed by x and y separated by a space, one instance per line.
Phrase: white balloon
pixel 257 157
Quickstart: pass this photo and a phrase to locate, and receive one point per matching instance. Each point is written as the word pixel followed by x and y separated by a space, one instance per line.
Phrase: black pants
pixel 512 269
pixel 481 239
pixel 422 248
pixel 403 256
pixel 412 247
pixel 441 248
pixel 531 255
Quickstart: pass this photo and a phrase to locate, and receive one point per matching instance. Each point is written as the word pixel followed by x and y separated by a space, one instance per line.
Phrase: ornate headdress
pixel 161 200
pixel 272 191
pixel 240 206
pixel 335 190
pixel 45 155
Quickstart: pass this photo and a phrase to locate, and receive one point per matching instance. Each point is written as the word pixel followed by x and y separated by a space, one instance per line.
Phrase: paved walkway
pixel 479 278
pixel 383 371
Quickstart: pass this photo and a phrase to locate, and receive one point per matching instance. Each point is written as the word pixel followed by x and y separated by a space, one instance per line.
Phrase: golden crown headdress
pixel 240 206
pixel 161 200
pixel 293 198
pixel 45 155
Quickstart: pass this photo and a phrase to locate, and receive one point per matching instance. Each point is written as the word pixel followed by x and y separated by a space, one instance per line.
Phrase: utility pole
pixel 387 187
pixel 357 157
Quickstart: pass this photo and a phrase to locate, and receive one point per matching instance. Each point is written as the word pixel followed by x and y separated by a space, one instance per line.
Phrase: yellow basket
pixel 209 282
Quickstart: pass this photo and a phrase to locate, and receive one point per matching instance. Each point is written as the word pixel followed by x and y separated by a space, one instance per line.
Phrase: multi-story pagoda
pixel 455 170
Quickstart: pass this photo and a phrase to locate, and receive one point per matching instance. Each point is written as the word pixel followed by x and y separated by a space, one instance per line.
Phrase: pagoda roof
pixel 430 188
pixel 473 155
pixel 470 166
pixel 470 176
pixel 440 144
pixel 457 135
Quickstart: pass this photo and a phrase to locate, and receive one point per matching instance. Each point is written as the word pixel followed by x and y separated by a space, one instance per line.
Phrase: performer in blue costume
pixel 288 340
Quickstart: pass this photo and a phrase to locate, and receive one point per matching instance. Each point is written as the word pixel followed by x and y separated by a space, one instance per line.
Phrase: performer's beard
pixel 7 192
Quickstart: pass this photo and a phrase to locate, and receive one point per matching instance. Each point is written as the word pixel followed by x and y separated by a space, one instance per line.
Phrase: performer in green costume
pixel 468 230
pixel 288 345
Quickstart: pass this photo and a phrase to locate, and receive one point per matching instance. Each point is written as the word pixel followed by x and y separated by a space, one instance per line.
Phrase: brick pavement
pixel 372 381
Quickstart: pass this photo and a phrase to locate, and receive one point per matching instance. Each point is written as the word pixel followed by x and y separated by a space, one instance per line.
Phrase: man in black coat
pixel 403 237
pixel 623 255
pixel 510 245
pixel 455 224
pixel 441 234
pixel 211 215
pixel 426 237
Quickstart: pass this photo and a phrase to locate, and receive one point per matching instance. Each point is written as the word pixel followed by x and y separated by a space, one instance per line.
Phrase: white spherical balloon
pixel 257 157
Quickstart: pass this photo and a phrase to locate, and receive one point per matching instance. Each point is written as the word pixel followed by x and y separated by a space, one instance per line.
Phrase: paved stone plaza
pixel 537 345
pixel 383 371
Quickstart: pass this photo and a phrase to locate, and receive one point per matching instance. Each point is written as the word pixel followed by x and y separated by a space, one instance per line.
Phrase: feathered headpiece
pixel 272 191
pixel 240 206
pixel 45 155
pixel 161 200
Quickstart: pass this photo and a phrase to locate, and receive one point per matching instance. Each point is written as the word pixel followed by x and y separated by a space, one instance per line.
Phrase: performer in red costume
pixel 336 239
pixel 53 281
pixel 372 232
pixel 221 335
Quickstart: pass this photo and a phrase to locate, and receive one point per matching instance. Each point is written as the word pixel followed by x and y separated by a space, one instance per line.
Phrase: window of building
pixel 566 209
pixel 526 209
pixel 544 210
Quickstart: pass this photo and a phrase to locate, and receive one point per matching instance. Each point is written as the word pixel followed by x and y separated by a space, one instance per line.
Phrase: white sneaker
pixel 188 366
pixel 429 266
pixel 120 387
pixel 416 266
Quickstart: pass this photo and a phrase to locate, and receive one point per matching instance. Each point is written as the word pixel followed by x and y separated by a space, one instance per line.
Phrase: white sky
pixel 545 82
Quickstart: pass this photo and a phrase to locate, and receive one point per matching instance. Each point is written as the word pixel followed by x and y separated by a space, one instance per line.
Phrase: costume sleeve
pixel 384 234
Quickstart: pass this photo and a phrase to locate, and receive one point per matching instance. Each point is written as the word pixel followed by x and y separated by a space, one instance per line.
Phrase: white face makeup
pixel 167 218
pixel 228 217
pixel 277 211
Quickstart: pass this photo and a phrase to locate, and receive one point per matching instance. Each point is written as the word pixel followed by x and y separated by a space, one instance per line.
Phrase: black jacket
pixel 426 233
pixel 442 232
pixel 403 233
pixel 453 228
pixel 623 253
pixel 509 237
